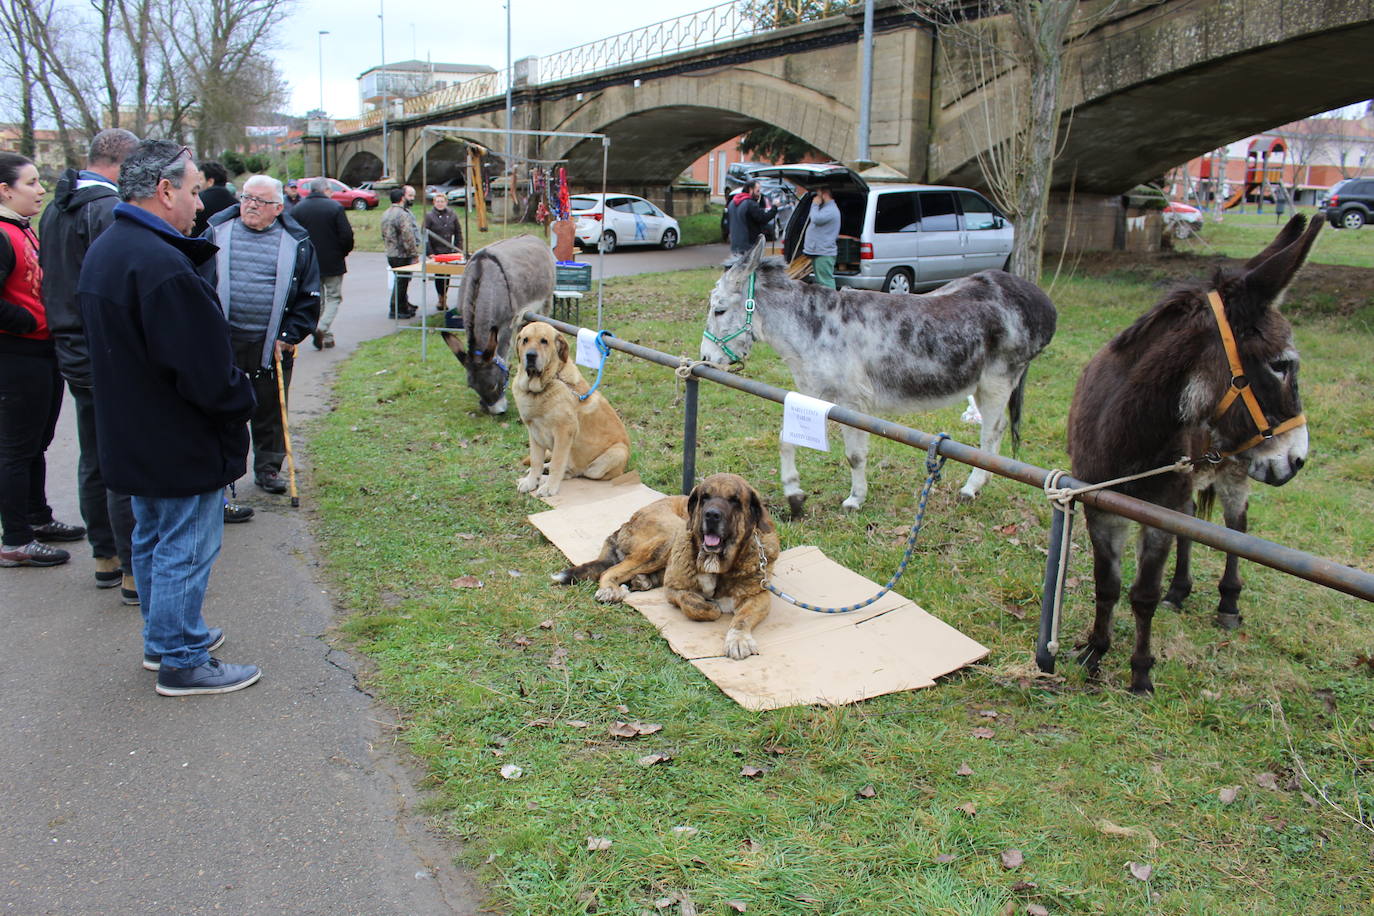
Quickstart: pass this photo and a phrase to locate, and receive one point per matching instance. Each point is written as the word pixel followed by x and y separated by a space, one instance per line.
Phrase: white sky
pixel 466 33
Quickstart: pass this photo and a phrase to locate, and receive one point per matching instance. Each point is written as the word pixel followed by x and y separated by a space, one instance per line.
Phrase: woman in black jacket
pixel 442 236
pixel 30 386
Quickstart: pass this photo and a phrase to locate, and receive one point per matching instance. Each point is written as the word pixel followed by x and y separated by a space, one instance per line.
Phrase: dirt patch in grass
pixel 1328 290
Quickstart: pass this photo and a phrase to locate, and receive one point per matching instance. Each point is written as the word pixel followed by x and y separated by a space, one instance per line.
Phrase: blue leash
pixel 935 462
pixel 605 350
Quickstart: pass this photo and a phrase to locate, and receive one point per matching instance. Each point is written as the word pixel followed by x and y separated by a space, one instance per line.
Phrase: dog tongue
pixel 711 540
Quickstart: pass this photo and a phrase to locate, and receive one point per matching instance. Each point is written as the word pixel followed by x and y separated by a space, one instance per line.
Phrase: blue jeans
pixel 176 540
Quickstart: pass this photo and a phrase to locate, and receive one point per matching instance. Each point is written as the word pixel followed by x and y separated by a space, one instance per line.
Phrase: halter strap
pixel 1240 388
pixel 723 342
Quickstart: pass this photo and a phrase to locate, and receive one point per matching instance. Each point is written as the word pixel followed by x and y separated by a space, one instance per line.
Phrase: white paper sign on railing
pixel 587 354
pixel 803 421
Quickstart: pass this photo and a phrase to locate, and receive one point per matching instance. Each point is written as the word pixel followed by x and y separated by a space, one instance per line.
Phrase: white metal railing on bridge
pixel 702 29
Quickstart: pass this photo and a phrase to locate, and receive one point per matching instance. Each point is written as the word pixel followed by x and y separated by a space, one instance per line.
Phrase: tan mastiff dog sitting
pixel 581 438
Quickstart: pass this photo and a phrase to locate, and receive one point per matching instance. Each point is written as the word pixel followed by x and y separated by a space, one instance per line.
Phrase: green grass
pixel 1241 235
pixel 415 489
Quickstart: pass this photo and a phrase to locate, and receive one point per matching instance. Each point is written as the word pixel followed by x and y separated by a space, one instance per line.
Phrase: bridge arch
pixel 362 165
pixel 696 114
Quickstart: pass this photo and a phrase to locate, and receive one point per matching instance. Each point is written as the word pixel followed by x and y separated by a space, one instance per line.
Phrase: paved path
pixel 287 797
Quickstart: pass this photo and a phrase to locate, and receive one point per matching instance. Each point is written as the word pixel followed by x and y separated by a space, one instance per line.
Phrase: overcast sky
pixel 455 33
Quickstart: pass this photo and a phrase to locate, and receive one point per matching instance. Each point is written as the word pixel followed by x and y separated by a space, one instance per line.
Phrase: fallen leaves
pixel 964 770
pixel 657 757
pixel 867 792
pixel 467 582
pixel 1140 871
pixel 1012 858
pixel 752 772
pixel 511 771
pixel 598 843
pixel 628 730
pixel 945 858
pixel 1267 781
pixel 983 732
pixel 1227 794
pixel 968 808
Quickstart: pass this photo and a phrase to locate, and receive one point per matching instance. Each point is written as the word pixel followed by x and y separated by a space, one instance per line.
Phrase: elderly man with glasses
pixel 268 281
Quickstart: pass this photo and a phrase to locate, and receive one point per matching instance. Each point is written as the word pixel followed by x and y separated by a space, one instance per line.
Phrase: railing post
pixel 1047 646
pixel 689 436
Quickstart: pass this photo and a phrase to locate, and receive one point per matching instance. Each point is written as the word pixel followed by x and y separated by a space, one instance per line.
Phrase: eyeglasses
pixel 258 201
pixel 184 151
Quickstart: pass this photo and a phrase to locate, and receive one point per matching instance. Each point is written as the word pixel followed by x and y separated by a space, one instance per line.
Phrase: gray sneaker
pixel 214 676
pixel 34 553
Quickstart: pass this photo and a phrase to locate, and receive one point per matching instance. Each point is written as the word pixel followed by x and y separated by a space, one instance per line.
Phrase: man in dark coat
pixel 748 218
pixel 82 208
pixel 332 235
pixel 215 197
pixel 170 408
pixel 268 282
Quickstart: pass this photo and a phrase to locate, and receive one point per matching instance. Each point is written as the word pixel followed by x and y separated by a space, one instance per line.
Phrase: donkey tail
pixel 1018 395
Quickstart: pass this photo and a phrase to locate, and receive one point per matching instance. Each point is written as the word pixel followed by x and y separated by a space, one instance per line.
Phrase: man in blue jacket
pixel 170 408
pixel 268 281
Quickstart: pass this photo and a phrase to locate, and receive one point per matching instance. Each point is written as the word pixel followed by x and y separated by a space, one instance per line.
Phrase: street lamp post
pixel 381 17
pixel 320 38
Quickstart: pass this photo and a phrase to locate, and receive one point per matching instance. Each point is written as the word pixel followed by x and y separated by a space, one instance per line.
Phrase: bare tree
pixel 18 67
pixel 1018 46
pixel 1350 144
pixel 1306 141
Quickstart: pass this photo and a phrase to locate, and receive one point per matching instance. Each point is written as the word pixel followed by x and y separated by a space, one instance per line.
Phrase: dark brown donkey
pixel 1167 387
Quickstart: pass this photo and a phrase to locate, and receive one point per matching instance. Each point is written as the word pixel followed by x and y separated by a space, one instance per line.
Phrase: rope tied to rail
pixel 605 350
pixel 935 463
pixel 1063 499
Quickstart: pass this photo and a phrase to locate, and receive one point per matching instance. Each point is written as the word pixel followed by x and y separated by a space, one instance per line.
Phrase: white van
pixel 899 238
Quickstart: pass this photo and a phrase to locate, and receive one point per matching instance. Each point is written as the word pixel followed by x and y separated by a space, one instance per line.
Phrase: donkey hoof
pixel 852 504
pixel 966 495
pixel 797 503
pixel 1143 688
pixel 1229 621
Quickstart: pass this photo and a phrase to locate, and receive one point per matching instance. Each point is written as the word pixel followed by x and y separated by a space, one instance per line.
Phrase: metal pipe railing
pixel 1328 573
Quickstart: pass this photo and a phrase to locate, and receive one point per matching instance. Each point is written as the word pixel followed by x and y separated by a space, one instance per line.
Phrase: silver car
pixel 899 238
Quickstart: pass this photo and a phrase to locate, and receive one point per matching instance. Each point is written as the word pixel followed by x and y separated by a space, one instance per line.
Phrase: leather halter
pixel 1240 388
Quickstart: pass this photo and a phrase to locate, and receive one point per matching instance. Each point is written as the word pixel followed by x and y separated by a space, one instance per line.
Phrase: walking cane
pixel 286 429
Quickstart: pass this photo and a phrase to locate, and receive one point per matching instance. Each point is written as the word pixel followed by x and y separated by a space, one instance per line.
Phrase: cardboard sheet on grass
pixel 804 657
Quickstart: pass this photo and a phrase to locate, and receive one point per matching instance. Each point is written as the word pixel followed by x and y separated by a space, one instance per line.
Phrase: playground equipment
pixel 1259 171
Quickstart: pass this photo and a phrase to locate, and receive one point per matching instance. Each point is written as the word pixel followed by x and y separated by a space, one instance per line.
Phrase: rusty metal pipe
pixel 1346 579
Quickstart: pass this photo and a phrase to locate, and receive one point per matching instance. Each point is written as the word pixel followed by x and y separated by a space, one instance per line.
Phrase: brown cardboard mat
pixel 804 657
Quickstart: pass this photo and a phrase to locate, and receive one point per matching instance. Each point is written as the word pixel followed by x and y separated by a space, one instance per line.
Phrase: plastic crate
pixel 572 275
pixel 846 250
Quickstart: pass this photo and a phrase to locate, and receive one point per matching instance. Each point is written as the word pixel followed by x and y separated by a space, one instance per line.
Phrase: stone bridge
pixel 1153 84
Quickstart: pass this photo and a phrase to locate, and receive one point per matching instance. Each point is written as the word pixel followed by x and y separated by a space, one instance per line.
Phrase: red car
pixel 1183 220
pixel 353 198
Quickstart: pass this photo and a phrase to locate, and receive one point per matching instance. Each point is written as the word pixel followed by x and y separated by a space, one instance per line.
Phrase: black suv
pixel 1350 204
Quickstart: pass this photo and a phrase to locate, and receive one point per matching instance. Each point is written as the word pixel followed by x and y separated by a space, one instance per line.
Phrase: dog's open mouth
pixel 711 541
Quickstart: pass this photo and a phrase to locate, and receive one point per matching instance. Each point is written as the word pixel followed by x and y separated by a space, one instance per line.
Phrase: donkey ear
pixel 755 256
pixel 1265 283
pixel 456 346
pixel 1287 236
pixel 490 353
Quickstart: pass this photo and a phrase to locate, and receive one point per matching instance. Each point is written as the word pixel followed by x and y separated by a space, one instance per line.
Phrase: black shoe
pixel 214 676
pixel 34 553
pixel 107 572
pixel 317 338
pixel 128 592
pixel 58 531
pixel 234 513
pixel 154 662
pixel 271 482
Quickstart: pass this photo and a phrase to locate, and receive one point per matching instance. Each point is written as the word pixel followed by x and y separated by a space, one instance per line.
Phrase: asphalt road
pixel 288 797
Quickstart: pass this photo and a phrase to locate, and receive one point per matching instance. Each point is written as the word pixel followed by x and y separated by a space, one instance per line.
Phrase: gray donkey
pixel 873 351
pixel 501 281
